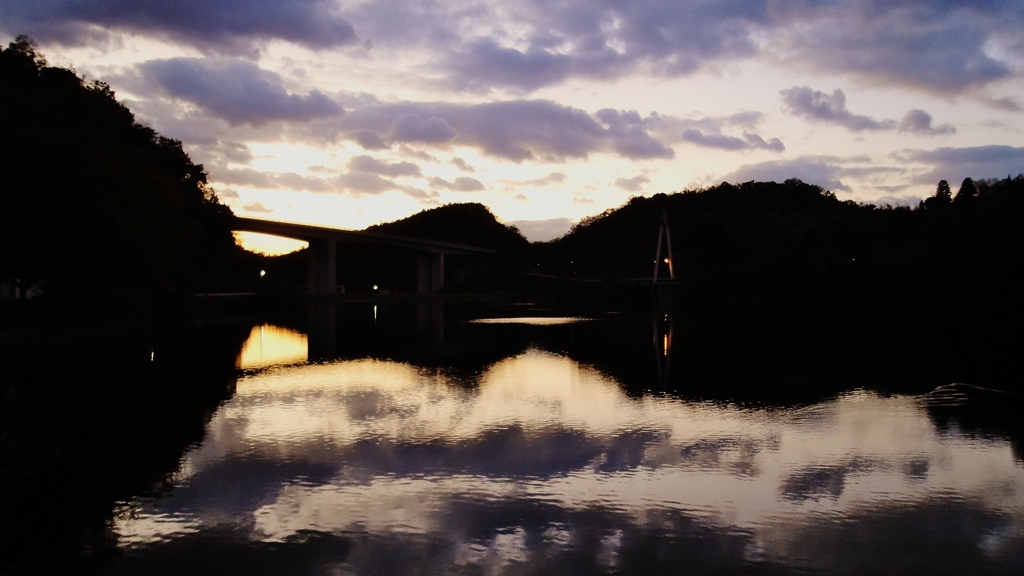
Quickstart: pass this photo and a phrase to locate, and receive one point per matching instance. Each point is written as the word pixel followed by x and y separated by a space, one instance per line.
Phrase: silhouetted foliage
pixel 966 193
pixel 943 197
pixel 106 216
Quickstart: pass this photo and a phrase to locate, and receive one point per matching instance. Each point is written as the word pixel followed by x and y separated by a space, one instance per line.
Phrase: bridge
pixel 323 251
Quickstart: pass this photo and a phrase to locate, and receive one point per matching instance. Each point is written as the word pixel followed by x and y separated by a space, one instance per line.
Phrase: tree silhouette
pixel 943 197
pixel 967 192
pixel 101 212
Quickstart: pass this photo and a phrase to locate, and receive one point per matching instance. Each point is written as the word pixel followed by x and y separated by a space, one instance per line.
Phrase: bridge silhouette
pixel 323 251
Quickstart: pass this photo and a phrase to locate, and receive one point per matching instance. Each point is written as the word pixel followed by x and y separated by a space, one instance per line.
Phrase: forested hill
pixel 466 223
pixel 769 272
pixel 100 214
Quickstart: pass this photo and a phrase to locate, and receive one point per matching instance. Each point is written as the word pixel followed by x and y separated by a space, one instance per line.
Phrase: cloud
pixel 408 127
pixel 374 166
pixel 364 179
pixel 482 63
pixel 547 180
pixel 1006 104
pixel 462 165
pixel 243 177
pixel 550 179
pixel 369 140
pixel 460 184
pixel 823 171
pixel 227 193
pixel 514 130
pixel 939 47
pixel 829 109
pixel 361 183
pixel 221 26
pixel 920 122
pixel 955 164
pixel 747 120
pixel 256 207
pixel 629 134
pixel 723 142
pixel 542 230
pixel 632 184
pixel 895 201
pixel 236 91
pixel 707 132
pixel 294 181
pixel 222 153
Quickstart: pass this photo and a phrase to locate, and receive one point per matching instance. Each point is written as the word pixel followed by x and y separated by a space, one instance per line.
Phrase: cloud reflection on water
pixel 270 345
pixel 547 463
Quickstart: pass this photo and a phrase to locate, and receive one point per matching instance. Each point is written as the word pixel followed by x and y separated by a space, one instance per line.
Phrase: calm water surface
pixel 540 464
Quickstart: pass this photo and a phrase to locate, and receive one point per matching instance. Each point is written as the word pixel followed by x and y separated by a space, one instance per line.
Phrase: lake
pixel 472 443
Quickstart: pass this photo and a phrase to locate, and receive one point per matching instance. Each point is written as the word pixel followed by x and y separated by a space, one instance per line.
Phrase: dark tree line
pixel 102 215
pixel 775 273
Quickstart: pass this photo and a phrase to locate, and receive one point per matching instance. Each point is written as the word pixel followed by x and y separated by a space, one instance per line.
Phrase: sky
pixel 351 113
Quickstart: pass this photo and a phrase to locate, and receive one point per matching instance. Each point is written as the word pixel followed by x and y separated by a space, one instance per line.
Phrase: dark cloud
pixel 920 122
pixel 374 166
pixel 823 171
pixel 632 184
pixel 460 184
pixel 515 130
pixel 542 230
pixel 955 164
pixel 482 63
pixel 935 46
pixel 236 91
pixel 829 109
pixel 222 26
pixel 941 47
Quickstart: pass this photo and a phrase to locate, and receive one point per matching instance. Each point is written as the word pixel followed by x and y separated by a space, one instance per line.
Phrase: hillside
pixel 770 274
pixel 102 217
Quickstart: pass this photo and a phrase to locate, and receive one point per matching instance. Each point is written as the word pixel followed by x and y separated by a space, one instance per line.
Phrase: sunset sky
pixel 351 113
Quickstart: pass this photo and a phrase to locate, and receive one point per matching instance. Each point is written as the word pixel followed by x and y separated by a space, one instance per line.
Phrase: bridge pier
pixel 323 266
pixel 430 273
